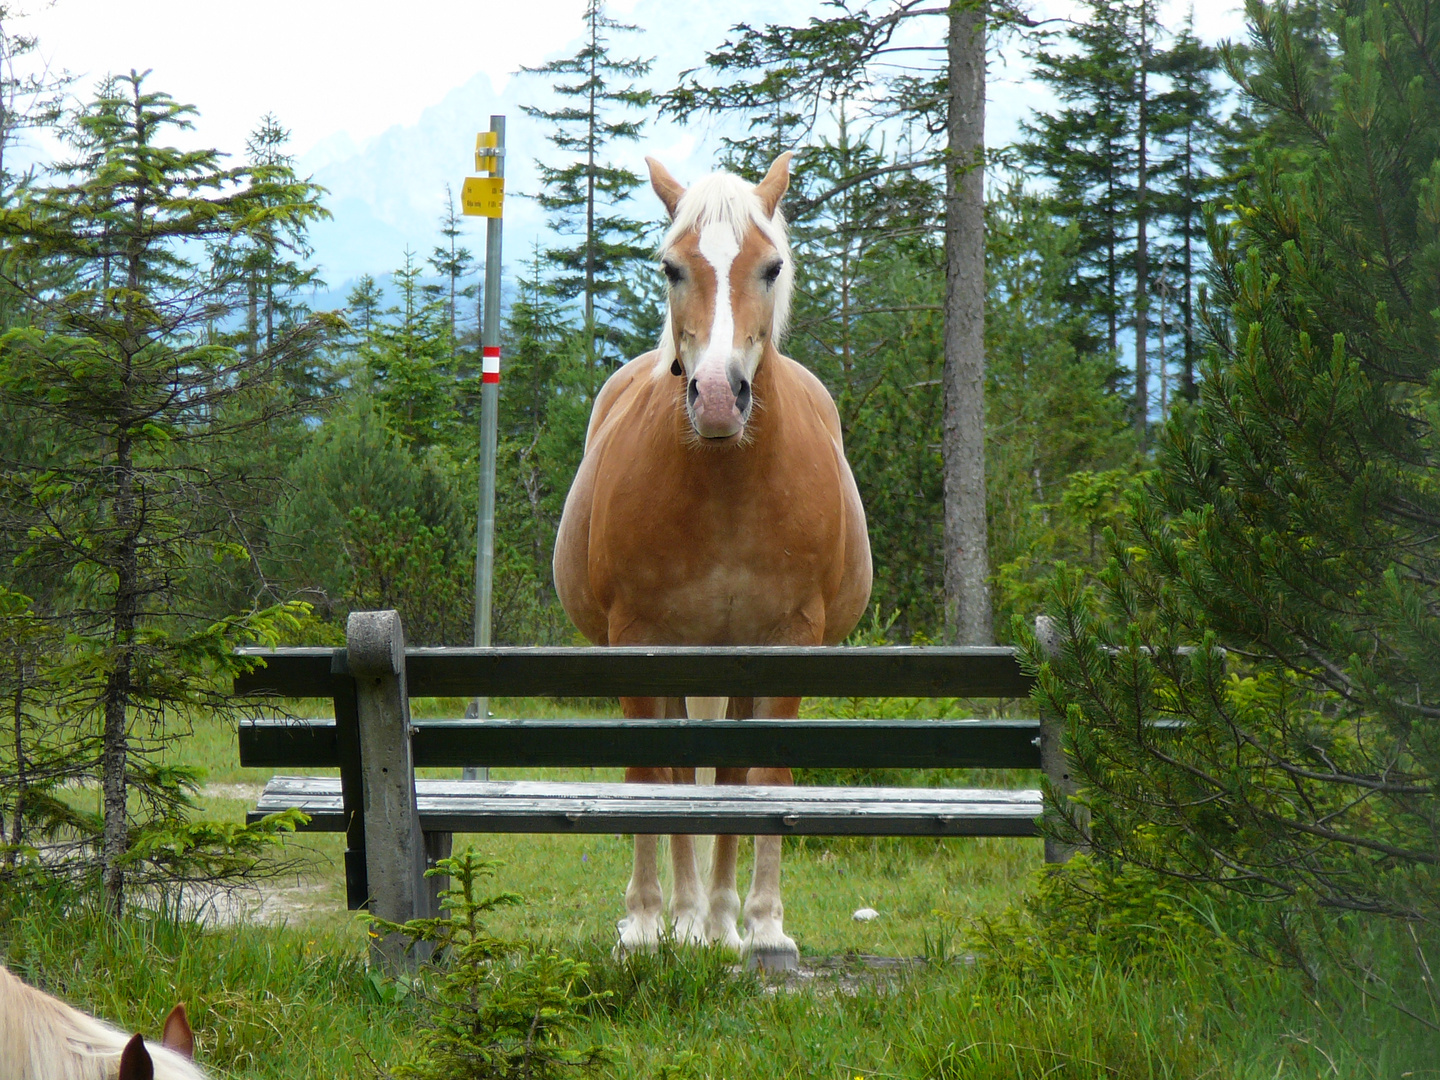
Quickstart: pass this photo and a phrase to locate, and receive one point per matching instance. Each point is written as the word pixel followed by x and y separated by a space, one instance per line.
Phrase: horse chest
pixel 717 563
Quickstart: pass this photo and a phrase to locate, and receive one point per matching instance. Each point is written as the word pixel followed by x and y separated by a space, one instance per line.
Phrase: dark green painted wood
pixel 670 671
pixel 995 744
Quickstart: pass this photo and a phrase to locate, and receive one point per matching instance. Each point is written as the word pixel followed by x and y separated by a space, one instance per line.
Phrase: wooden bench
pixel 395 825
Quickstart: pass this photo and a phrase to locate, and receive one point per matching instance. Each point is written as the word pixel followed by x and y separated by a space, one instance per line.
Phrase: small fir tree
pixel 129 492
pixel 498 1010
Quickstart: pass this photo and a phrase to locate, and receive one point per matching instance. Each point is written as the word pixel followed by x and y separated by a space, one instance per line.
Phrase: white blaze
pixel 719 247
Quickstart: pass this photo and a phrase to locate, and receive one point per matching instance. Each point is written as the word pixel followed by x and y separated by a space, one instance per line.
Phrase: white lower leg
pixel 724 900
pixel 687 900
pixel 640 928
pixel 765 936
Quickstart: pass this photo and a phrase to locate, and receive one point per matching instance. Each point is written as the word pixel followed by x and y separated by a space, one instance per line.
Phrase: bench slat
pixel 932 671
pixel 537 807
pixel 996 744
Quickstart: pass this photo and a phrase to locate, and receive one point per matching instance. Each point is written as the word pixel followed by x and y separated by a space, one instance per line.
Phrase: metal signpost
pixel 483 196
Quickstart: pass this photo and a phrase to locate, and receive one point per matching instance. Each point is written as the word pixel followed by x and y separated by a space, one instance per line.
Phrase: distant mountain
pixel 388 193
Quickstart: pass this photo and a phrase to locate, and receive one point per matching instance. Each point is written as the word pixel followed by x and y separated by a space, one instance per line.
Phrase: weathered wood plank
pixel 672 672
pixel 983 743
pixel 394 844
pixel 531 807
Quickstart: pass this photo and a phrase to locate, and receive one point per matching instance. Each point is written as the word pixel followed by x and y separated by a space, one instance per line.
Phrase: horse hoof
pixel 636 935
pixel 773 962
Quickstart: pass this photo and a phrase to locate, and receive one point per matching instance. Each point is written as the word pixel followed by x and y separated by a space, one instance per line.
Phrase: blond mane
pixel 42 1038
pixel 724 199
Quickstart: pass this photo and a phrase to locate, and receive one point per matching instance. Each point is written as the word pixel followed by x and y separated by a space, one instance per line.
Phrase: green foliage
pixel 584 196
pixel 495 1009
pixel 1291 521
pixel 1134 139
pixel 121 501
pixel 334 544
pixel 408 361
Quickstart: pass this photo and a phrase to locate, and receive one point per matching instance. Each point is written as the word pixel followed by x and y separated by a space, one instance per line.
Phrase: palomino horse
pixel 714 506
pixel 42 1038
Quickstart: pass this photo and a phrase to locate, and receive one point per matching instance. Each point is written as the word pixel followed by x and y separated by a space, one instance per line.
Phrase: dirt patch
pixel 268 902
pixel 237 792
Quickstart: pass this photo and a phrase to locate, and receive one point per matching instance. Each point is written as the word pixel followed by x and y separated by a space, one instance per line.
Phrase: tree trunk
pixel 591 138
pixel 967 571
pixel 1142 253
pixel 1187 376
pixel 115 834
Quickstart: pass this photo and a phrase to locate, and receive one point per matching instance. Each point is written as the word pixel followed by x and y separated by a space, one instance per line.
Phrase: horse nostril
pixel 694 391
pixel 742 399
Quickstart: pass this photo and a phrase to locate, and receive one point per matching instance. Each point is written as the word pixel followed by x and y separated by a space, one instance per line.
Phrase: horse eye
pixel 772 272
pixel 672 272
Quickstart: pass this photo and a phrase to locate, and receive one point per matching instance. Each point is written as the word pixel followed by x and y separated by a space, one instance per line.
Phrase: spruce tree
pixel 131 501
pixel 1189 129
pixel 454 264
pixel 585 194
pixel 407 360
pixel 1293 518
pixel 274 262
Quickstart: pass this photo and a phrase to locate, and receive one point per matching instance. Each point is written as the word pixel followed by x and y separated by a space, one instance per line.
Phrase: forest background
pixel 1209 347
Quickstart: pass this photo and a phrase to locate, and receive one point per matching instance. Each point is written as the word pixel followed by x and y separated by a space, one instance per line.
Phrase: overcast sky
pixel 363 66
pixel 383 100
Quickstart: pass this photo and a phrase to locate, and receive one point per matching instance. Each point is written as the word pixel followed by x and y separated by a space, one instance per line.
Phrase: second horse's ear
pixel 665 185
pixel 177 1035
pixel 135 1063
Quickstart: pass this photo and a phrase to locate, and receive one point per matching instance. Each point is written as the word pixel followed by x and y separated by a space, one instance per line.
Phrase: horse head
pixel 727 259
pixel 136 1062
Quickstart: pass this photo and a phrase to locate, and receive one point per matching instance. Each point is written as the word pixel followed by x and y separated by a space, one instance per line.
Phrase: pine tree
pixel 274 264
pixel 1189 129
pixel 1293 519
pixel 128 509
pixel 584 196
pixel 454 264
pixel 544 410
pixel 407 357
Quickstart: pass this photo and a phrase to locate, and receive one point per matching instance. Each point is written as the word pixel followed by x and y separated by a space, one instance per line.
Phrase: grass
pixel 295 1000
pixel 286 1002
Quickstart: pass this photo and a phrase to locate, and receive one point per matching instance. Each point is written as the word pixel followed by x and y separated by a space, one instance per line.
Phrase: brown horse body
pixel 714 506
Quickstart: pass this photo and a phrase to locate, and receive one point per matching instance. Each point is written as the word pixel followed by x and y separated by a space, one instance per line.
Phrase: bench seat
pixel 518 806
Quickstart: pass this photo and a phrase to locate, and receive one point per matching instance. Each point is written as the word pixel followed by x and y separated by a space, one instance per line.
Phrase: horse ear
pixel 135 1063
pixel 177 1035
pixel 665 185
pixel 772 189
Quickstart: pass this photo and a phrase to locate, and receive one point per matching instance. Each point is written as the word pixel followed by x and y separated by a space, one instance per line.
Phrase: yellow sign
pixel 483 196
pixel 485 162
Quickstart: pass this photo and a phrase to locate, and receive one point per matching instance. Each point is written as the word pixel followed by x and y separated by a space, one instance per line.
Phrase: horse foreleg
pixel 640 928
pixel 766 943
pixel 724 899
pixel 687 898
pixel 689 906
pixel 643 923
